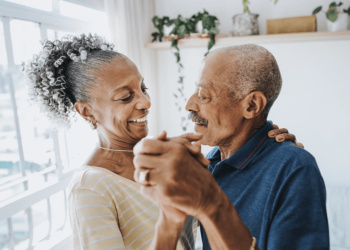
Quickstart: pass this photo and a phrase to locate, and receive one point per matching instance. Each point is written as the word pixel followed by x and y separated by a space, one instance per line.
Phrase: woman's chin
pixel 140 131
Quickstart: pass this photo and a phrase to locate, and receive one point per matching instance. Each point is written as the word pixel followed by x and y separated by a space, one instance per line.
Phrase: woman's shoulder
pixel 94 179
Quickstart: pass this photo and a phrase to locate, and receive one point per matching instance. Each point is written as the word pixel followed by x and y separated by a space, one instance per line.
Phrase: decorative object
pixel 336 20
pixel 291 25
pixel 185 28
pixel 245 24
pixel 159 24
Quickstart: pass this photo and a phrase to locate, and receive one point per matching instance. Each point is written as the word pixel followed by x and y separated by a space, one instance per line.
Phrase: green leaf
pixel 181 31
pixel 332 14
pixel 155 36
pixel 340 4
pixel 276 1
pixel 177 54
pixel 213 30
pixel 318 9
pixel 210 44
pixel 347 11
pixel 333 4
pixel 206 53
pixel 174 43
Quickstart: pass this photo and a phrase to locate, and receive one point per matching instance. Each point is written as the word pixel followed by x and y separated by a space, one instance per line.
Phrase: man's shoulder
pixel 290 156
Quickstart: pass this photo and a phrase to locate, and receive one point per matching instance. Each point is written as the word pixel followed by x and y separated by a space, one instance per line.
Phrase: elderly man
pixel 257 194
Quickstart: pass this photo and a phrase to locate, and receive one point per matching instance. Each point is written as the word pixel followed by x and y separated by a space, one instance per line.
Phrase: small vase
pixel 245 24
pixel 199 27
pixel 167 30
pixel 340 24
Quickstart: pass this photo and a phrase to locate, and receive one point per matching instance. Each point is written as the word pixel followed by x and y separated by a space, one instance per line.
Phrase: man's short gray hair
pixel 257 70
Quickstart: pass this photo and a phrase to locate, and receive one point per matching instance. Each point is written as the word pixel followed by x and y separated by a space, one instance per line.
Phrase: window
pixel 36 161
pixel 37 4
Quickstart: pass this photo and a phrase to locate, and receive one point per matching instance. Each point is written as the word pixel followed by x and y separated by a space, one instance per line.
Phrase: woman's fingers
pixel 273 133
pixel 275 126
pixel 299 144
pixel 285 137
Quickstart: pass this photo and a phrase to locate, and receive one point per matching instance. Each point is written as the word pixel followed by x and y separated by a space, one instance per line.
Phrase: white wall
pixel 314 103
pixel 226 9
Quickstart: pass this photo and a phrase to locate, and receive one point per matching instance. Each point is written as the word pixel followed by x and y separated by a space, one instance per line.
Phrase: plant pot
pixel 340 24
pixel 245 24
pixel 167 30
pixel 199 27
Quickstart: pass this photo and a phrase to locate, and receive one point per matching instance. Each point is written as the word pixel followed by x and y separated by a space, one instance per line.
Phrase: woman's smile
pixel 140 121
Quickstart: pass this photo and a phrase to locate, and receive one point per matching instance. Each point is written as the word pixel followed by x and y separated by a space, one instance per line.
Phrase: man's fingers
pixel 285 137
pixel 202 160
pixel 142 161
pixel 193 148
pixel 151 146
pixel 161 136
pixel 192 136
pixel 275 132
pixel 152 177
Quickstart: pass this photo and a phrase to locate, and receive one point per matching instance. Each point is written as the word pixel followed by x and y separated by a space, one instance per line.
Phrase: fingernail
pixel 280 138
pixel 272 134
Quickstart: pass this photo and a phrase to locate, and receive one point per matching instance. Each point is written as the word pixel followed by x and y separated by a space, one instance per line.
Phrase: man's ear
pixel 85 110
pixel 254 104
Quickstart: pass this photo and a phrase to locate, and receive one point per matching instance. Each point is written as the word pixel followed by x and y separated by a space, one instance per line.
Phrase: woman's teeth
pixel 140 120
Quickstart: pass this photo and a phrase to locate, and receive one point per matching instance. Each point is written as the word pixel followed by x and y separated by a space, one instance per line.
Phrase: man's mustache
pixel 197 119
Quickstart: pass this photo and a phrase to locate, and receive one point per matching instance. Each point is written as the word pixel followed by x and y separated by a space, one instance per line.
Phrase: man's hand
pixel 181 183
pixel 282 134
pixel 176 178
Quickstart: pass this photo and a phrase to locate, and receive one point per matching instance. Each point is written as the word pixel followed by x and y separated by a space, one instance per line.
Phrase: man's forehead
pixel 216 72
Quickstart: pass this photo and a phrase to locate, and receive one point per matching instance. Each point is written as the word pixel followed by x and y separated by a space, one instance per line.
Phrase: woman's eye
pixel 127 98
pixel 201 98
pixel 144 90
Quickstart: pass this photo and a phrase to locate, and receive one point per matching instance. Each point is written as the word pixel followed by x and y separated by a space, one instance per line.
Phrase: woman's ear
pixel 254 104
pixel 85 110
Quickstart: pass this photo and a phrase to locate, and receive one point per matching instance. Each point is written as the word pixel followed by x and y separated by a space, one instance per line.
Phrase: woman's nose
pixel 144 102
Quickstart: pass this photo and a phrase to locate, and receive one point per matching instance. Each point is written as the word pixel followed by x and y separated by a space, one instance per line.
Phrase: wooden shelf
pixel 261 39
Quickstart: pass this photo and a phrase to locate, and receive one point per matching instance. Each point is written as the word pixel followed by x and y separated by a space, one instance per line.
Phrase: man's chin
pixel 200 128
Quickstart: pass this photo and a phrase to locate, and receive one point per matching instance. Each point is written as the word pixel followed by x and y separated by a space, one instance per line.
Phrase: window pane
pixel 57 34
pixel 37 4
pixel 25 40
pixel 81 12
pixel 34 127
pixel 9 157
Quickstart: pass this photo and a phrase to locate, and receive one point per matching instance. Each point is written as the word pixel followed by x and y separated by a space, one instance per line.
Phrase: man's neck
pixel 234 143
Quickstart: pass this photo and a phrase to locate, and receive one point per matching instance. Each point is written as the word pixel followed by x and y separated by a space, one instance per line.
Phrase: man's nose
pixel 191 104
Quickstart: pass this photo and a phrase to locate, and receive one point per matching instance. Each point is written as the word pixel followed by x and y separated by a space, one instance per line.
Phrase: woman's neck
pixel 118 162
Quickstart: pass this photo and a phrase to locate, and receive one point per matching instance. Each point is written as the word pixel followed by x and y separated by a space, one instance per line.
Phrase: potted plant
pixel 159 24
pixel 245 24
pixel 336 20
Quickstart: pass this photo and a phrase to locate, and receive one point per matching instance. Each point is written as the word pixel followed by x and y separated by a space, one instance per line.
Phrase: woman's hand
pixel 281 135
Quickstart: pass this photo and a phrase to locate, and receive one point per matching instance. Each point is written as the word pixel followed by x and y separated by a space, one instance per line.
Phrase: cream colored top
pixel 107 211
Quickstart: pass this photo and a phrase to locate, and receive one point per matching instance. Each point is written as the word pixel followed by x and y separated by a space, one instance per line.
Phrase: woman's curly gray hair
pixel 63 73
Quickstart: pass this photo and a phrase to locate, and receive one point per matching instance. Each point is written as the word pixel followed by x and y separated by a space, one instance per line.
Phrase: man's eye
pixel 201 98
pixel 144 90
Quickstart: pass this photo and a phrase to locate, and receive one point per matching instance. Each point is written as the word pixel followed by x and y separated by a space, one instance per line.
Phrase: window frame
pixel 46 20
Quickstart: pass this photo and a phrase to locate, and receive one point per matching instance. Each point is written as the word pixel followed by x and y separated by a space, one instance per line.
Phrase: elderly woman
pixel 84 75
